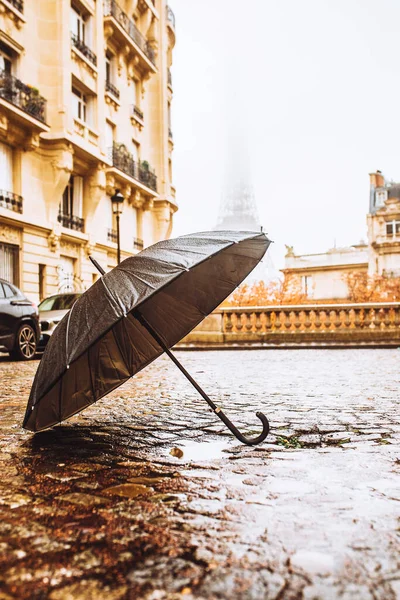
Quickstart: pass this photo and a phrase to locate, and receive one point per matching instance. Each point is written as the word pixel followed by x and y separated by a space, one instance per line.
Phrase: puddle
pixel 199 451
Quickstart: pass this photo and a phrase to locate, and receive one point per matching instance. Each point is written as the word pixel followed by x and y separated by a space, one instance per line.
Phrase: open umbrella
pixel 133 314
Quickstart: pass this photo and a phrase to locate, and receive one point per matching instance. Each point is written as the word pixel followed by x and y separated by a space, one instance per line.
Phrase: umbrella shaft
pixel 167 351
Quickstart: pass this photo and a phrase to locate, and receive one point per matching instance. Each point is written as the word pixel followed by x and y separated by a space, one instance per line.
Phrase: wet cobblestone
pixel 146 496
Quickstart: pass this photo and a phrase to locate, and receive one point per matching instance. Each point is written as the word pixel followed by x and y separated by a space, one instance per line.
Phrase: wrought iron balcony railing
pixel 23 96
pixel 112 8
pixel 112 235
pixel 11 201
pixel 110 87
pixel 18 4
pixel 137 243
pixel 71 221
pixel 136 112
pixel 86 51
pixel 123 160
pixel 170 16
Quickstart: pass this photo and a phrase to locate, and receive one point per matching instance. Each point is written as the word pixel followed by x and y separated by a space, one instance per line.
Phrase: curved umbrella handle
pixel 249 441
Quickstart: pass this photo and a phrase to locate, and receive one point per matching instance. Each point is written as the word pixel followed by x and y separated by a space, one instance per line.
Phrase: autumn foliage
pixel 361 286
pixel 261 293
pixel 377 288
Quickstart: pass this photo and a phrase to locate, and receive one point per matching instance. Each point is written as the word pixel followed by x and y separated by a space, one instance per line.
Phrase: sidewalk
pixel 107 507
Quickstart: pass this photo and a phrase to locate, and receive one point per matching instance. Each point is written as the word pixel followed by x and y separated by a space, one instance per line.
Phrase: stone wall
pixel 322 325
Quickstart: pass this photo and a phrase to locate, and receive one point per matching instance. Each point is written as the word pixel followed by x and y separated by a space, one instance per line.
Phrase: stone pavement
pixel 146 496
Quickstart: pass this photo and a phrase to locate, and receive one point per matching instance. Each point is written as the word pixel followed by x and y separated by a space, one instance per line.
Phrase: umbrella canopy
pixel 103 341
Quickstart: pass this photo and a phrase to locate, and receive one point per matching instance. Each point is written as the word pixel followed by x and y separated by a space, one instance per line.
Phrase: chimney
pixel 377 179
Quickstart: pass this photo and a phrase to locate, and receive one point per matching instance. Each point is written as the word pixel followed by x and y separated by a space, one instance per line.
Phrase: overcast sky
pixel 310 92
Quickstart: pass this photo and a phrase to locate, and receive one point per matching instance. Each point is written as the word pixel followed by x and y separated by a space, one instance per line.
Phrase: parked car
pixel 19 323
pixel 51 311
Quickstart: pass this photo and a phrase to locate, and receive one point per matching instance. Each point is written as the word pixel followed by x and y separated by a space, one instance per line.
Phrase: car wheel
pixel 25 343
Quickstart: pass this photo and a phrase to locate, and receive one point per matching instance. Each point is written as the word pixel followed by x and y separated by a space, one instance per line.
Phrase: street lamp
pixel 117 205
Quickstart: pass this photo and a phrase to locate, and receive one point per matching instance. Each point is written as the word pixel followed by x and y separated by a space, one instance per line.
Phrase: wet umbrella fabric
pixel 103 341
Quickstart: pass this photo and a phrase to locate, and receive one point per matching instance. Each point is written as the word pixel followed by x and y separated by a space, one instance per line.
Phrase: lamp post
pixel 117 201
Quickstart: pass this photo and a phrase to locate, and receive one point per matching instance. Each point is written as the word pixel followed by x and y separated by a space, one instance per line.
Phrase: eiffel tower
pixel 238 209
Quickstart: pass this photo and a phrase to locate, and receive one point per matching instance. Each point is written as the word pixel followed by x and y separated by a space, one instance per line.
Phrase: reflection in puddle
pixel 199 451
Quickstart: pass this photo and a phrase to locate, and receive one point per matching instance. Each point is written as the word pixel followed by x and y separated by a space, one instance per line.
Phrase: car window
pixel 9 293
pixel 2 294
pixel 61 302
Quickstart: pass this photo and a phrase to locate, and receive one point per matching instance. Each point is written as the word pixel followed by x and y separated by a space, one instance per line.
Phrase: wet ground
pixel 146 496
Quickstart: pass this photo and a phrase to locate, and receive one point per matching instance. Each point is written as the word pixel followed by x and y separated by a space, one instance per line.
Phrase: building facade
pixel 85 96
pixel 323 276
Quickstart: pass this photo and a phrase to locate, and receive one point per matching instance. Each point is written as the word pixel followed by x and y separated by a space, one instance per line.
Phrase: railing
pixel 23 96
pixel 112 89
pixel 112 235
pixel 169 78
pixel 369 324
pixel 85 50
pixel 137 243
pixel 18 4
pixel 136 112
pixel 11 201
pixel 123 160
pixel 71 221
pixel 170 16
pixel 111 8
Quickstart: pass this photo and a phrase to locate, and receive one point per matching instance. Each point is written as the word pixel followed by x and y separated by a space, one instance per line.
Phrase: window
pixel 78 24
pixel 8 291
pixel 135 151
pixel 380 197
pixel 109 67
pixel 9 263
pixel 6 168
pixel 5 59
pixel 306 286
pixel 71 205
pixel 79 105
pixel 109 136
pixel 393 228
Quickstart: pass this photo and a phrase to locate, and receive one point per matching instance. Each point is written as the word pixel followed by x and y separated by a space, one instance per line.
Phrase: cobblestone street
pixel 146 495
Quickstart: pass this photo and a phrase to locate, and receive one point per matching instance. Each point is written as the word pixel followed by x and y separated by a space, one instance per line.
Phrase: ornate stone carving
pixel 69 248
pixel 53 240
pixel 32 142
pixel 137 200
pixel 110 184
pixel 10 235
pixel 148 204
pixel 90 247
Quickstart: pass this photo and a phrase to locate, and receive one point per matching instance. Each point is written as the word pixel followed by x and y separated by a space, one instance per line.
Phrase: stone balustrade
pixel 368 324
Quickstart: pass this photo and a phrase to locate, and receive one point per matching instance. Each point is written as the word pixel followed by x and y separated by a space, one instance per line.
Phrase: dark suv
pixel 19 322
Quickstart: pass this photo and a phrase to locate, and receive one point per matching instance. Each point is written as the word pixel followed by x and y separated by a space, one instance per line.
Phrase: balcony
pixel 137 114
pixel 112 235
pixel 83 49
pixel 18 4
pixel 112 89
pixel 126 30
pixel 123 160
pixel 137 244
pixel 71 222
pixel 11 201
pixel 23 96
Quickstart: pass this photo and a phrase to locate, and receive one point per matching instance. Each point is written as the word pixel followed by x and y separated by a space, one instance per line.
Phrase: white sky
pixel 309 89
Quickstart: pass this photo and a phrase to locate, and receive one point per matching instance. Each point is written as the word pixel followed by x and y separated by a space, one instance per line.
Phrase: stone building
pixel 323 276
pixel 85 95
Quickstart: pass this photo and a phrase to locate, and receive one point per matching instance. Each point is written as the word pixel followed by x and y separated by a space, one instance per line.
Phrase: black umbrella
pixel 133 314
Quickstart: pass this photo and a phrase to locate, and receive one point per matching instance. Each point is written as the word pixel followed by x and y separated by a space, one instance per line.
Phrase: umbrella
pixel 133 314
